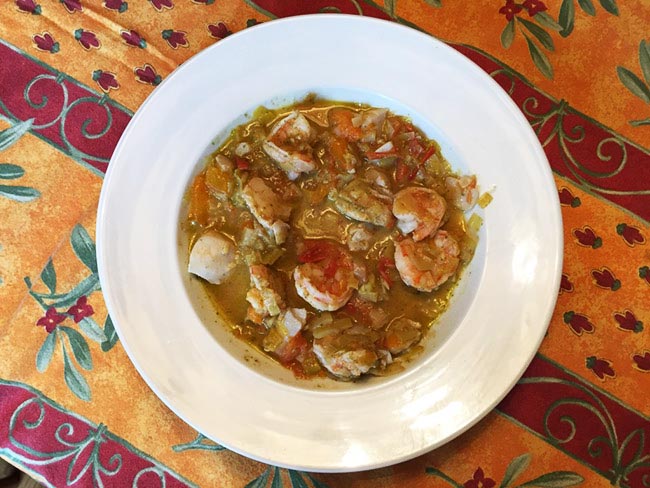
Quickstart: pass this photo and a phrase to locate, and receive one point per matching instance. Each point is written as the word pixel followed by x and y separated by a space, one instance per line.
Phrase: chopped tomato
pixel 379 155
pixel 242 163
pixel 341 120
pixel 383 265
pixel 358 309
pixel 330 269
pixel 429 152
pixel 414 147
pixel 199 201
pixel 292 348
pixel 315 252
pixel 402 172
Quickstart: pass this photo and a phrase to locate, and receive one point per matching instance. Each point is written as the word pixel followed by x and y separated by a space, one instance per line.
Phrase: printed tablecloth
pixel 73 410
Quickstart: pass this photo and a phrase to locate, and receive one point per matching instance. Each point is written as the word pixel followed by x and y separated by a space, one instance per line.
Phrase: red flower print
pixel 644 273
pixel 627 321
pixel 565 284
pixel 579 323
pixel 534 6
pixel 587 237
pixel 510 9
pixel 72 6
pixel 175 38
pixel 479 481
pixel 106 80
pixel 567 198
pixel 147 74
pixel 132 38
pixel 45 42
pixel 118 5
pixel 604 278
pixel 80 309
pixel 631 235
pixel 29 7
pixel 51 319
pixel 87 39
pixel 602 367
pixel 219 30
pixel 159 5
pixel 642 362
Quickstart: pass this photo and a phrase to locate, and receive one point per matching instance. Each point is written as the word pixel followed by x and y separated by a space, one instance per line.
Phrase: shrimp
pixel 427 264
pixel 266 294
pixel 419 210
pixel 213 257
pixel 463 191
pixel 358 237
pixel 359 200
pixel 328 276
pixel 346 356
pixel 288 145
pixel 357 127
pixel 268 208
pixel 401 334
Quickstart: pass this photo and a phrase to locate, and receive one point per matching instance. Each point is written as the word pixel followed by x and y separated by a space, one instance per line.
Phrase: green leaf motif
pixel 19 193
pixel 517 466
pixel 44 355
pixel 62 300
pixel 80 349
pixel 644 59
pixel 434 3
pixel 639 123
pixel 12 134
pixel 545 20
pixel 567 17
pixel 610 6
pixel 73 378
pixel 48 276
pixel 540 59
pixel 316 483
pixel 111 335
pixel 633 83
pixel 542 36
pixel 84 247
pixel 10 171
pixel 277 478
pixel 92 330
pixel 556 479
pixel 508 34
pixel 296 479
pixel 260 481
pixel 390 7
pixel 587 7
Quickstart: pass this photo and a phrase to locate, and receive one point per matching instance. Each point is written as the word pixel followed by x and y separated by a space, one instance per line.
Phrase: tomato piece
pixel 383 266
pixel 199 200
pixel 315 252
pixel 428 153
pixel 341 120
pixel 330 269
pixel 292 348
pixel 402 172
pixel 242 163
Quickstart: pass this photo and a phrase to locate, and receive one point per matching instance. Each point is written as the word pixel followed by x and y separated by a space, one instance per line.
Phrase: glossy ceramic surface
pixel 481 346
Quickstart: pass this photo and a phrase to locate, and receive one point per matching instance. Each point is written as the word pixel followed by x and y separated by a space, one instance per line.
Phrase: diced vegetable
pixel 332 328
pixel 485 199
pixel 198 211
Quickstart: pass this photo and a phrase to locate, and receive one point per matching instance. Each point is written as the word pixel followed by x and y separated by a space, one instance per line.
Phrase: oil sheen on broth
pixel 330 236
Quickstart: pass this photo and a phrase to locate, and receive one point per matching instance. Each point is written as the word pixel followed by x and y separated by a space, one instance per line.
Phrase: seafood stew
pixel 330 236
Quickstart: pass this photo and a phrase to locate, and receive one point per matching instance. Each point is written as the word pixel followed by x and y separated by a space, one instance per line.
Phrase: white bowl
pixel 237 396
